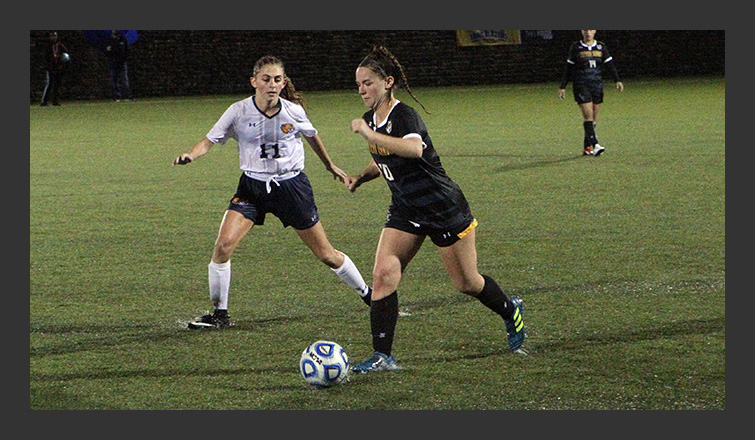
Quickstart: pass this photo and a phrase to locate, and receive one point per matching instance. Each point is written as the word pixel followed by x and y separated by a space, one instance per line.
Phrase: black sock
pixel 383 317
pixel 590 138
pixel 492 297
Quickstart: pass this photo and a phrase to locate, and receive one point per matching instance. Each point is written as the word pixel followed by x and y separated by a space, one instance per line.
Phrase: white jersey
pixel 269 146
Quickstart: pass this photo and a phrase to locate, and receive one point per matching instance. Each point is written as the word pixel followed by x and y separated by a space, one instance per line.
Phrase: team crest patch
pixel 389 127
pixel 287 128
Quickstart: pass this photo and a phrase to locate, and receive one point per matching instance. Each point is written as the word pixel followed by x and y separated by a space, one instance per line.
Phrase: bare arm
pixel 199 150
pixel 405 147
pixel 371 172
pixel 319 148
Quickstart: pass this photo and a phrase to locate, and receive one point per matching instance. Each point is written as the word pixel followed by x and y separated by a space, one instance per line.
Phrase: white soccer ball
pixel 64 57
pixel 324 364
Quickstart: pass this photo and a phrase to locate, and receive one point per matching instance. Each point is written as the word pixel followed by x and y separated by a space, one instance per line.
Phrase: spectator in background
pixel 54 66
pixel 117 53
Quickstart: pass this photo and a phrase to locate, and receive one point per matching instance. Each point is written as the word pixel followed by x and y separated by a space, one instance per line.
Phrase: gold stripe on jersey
pixel 374 149
pixel 591 53
pixel 469 229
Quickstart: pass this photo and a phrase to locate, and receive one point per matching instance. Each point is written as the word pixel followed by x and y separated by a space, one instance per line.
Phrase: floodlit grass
pixel 620 259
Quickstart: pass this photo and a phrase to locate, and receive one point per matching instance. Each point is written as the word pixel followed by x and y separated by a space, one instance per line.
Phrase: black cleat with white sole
pixel 211 321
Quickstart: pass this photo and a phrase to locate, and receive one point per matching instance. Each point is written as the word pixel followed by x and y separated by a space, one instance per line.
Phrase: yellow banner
pixel 485 38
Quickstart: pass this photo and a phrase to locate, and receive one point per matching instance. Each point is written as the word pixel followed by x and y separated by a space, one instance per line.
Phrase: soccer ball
pixel 324 364
pixel 64 57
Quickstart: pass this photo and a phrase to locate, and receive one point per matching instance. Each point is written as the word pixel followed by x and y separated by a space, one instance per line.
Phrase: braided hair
pixel 289 92
pixel 381 61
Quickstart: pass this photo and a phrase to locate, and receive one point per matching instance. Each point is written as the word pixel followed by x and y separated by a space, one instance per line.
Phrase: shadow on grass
pixel 576 343
pixel 667 330
pixel 83 338
pixel 538 163
pixel 124 373
pixel 525 161
pixel 582 343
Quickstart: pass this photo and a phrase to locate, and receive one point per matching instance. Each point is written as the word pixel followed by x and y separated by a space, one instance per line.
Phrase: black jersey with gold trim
pixel 420 188
pixel 587 61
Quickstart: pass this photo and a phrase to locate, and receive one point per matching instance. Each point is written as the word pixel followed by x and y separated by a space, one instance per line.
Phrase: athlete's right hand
pixel 351 182
pixel 182 160
pixel 360 126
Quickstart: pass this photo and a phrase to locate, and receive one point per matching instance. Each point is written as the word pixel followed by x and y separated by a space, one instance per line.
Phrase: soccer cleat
pixel 211 321
pixel 377 362
pixel 515 325
pixel 597 150
pixel 587 151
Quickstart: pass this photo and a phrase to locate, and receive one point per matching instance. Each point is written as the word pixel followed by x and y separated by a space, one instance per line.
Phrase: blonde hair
pixel 381 61
pixel 289 92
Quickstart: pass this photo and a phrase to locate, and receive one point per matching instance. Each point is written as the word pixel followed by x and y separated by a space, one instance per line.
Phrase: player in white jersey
pixel 268 127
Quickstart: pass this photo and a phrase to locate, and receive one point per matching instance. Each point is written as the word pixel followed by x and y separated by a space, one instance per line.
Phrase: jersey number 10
pixel 386 171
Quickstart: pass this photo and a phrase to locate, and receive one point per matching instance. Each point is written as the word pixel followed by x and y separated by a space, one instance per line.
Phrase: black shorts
pixel 291 200
pixel 441 237
pixel 591 92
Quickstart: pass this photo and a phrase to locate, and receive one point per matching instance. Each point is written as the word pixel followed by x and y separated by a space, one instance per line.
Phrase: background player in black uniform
pixel 425 202
pixel 584 66
pixel 54 69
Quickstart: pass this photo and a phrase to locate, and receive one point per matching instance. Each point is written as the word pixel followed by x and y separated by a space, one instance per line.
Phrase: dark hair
pixel 289 92
pixel 381 61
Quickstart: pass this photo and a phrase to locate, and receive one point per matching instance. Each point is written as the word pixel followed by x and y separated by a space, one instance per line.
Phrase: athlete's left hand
pixel 337 173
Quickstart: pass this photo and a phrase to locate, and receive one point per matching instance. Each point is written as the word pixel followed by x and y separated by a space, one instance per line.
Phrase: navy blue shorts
pixel 584 93
pixel 441 237
pixel 291 200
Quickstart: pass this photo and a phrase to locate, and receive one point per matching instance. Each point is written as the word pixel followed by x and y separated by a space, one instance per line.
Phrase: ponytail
pixel 381 61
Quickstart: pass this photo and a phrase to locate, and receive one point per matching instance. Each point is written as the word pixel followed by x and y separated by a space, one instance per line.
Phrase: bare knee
pixel 224 248
pixel 385 279
pixel 469 286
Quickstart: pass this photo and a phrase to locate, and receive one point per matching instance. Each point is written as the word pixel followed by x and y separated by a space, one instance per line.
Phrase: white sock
pixel 220 282
pixel 349 274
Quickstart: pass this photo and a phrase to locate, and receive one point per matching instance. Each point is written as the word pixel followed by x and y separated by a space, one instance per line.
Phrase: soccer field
pixel 620 259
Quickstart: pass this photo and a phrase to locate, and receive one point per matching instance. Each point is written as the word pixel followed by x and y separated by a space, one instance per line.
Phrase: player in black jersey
pixel 425 202
pixel 585 66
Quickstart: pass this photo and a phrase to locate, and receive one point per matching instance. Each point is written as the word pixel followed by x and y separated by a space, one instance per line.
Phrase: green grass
pixel 620 259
